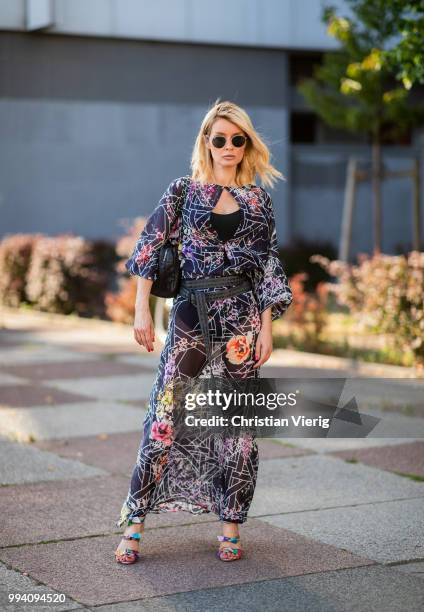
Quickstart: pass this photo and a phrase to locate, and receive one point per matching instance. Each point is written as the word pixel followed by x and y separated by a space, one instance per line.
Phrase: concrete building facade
pixel 100 103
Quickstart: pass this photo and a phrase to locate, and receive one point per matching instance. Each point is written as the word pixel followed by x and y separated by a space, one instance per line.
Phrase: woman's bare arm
pixel 263 348
pixel 144 330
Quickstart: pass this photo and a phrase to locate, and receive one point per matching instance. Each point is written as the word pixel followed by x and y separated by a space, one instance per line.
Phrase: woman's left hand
pixel 263 348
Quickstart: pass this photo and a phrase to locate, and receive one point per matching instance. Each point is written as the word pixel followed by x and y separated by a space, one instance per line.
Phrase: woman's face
pixel 228 155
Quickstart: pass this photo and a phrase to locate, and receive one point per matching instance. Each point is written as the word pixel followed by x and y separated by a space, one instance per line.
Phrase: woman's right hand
pixel 144 329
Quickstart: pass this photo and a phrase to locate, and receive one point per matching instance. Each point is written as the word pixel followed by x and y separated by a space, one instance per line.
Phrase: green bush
pixel 385 294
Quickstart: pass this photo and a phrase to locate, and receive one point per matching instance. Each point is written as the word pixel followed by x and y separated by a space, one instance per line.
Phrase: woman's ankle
pixel 134 528
pixel 230 530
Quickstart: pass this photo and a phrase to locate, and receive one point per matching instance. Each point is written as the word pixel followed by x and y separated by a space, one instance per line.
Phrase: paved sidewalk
pixel 334 525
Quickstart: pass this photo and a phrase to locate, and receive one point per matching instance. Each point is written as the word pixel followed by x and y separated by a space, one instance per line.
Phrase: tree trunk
pixel 416 214
pixel 376 192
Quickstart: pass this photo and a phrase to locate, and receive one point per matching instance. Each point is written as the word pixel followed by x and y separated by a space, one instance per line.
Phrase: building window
pixel 302 66
pixel 303 127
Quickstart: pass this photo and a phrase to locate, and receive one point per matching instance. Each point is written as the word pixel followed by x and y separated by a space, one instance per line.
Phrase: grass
pixel 415 477
pixel 411 476
pixel 279 441
pixel 406 409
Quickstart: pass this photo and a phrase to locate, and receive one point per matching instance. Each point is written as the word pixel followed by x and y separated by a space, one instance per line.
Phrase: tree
pixel 355 87
pixel 406 55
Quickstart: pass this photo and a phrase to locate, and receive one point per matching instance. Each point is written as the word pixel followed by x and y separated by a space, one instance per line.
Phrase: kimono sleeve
pixel 144 260
pixel 270 282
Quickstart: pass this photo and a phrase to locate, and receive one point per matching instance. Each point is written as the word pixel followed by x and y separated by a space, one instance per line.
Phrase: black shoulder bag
pixel 167 283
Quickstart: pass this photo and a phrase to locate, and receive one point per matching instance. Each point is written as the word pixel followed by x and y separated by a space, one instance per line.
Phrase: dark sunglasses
pixel 220 141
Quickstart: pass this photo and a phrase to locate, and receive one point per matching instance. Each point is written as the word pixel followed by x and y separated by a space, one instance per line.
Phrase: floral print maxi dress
pixel 215 474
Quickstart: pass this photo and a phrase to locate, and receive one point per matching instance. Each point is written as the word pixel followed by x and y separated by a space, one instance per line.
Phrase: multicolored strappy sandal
pixel 128 555
pixel 235 553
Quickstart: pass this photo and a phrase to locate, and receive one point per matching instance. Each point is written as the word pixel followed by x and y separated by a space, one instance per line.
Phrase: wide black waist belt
pixel 191 289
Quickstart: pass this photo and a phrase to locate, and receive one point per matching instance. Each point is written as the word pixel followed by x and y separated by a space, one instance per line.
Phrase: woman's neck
pixel 224 177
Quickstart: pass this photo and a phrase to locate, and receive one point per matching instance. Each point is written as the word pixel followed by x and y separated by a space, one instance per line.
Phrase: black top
pixel 225 224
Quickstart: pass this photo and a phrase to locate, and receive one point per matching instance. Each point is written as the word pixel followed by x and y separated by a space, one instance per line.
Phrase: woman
pixel 217 326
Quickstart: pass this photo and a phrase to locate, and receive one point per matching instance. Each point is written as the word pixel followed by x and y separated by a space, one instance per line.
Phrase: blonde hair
pixel 256 158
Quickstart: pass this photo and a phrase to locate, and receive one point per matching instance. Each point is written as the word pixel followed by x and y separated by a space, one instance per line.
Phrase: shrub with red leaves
pixel 385 293
pixel 15 256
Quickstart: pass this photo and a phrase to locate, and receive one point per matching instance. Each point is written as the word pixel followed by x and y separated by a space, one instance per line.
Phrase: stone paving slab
pixel 114 452
pixel 405 458
pixel 391 430
pixel 131 387
pixel 21 463
pixel 317 362
pixel 314 482
pixel 148 360
pixel 72 369
pixel 70 420
pixel 10 336
pixel 117 452
pixel 347 590
pixel 415 569
pixel 6 343
pixel 273 449
pixel 103 332
pixel 12 582
pixel 394 425
pixel 74 336
pixel 8 379
pixel 26 396
pixel 333 445
pixel 100 341
pixel 36 353
pixel 386 532
pixel 106 349
pixel 76 508
pixel 384 393
pixel 278 369
pixel 82 510
pixel 86 570
pixel 72 331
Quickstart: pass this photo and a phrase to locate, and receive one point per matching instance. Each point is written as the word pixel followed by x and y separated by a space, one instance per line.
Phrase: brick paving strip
pixel 334 526
pixel 406 459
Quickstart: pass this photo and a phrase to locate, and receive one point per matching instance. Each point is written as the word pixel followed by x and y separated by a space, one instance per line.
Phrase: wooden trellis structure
pixel 356 175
